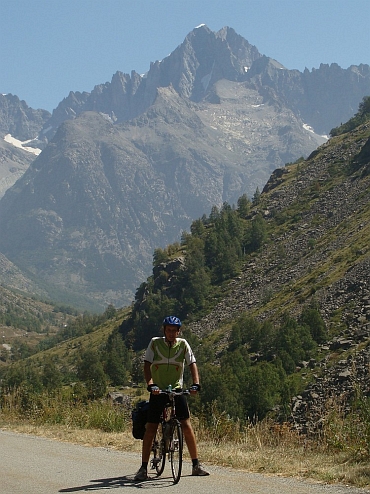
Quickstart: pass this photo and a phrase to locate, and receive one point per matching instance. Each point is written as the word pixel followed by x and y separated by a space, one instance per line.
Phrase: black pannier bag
pixel 139 417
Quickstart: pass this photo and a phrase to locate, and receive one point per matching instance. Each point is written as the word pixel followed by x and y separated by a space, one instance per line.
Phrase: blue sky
pixel 49 48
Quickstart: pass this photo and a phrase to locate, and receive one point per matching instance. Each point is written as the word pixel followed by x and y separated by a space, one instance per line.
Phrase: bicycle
pixel 168 439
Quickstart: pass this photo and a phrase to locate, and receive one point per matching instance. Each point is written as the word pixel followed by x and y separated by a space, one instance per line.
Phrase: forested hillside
pixel 273 291
pixel 269 287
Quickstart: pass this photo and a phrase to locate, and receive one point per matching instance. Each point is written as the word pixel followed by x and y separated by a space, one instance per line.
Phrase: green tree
pixel 211 247
pixel 20 350
pixel 364 106
pixel 117 359
pixel 51 376
pixel 293 343
pixel 110 312
pixel 258 337
pixel 261 391
pixel 197 228
pixel 195 280
pixel 214 214
pixel 159 256
pixel 90 371
pixel 212 382
pixel 256 234
pixel 312 318
pixel 256 197
pixel 146 321
pixel 22 375
pixel 226 262
pixel 244 206
pixel 223 244
pixel 14 377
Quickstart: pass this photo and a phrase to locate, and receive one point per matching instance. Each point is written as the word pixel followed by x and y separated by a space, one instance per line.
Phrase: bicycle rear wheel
pixel 175 451
pixel 159 455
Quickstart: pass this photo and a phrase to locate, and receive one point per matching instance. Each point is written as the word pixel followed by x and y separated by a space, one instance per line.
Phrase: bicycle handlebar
pixel 174 392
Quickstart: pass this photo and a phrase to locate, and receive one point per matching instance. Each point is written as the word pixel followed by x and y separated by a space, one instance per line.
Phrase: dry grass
pixel 262 449
pixel 340 455
pixel 121 441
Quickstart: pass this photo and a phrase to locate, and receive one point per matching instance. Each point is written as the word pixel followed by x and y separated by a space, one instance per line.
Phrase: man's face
pixel 171 332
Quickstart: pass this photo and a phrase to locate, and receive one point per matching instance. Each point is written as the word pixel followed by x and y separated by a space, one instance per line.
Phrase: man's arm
pixel 148 378
pixel 148 372
pixel 194 373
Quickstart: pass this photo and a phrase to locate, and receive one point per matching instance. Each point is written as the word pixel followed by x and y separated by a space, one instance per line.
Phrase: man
pixel 164 366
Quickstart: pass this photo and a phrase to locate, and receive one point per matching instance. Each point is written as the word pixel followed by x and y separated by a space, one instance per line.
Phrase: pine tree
pixel 256 197
pixel 256 234
pixel 90 371
pixel 244 206
pixel 195 280
pixel 51 376
pixel 117 358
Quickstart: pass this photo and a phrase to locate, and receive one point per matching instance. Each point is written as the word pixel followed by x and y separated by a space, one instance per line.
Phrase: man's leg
pixel 189 436
pixel 191 443
pixel 150 431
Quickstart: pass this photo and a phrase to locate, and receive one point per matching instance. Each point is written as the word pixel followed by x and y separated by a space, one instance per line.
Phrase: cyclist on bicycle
pixel 164 366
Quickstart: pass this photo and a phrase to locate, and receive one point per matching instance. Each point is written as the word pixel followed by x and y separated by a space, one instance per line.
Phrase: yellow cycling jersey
pixel 168 361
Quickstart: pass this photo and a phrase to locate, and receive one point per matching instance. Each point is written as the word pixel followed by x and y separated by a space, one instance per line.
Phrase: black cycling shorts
pixel 158 402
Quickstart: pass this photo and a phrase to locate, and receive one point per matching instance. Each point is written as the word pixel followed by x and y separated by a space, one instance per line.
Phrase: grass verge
pixel 265 447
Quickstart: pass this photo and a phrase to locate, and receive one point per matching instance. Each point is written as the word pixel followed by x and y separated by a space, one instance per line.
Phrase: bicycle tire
pixel 159 454
pixel 175 451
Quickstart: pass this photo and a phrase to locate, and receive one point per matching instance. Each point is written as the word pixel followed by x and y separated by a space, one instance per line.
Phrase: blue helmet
pixel 172 321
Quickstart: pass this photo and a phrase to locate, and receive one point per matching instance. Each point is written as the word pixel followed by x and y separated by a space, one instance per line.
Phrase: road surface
pixel 35 465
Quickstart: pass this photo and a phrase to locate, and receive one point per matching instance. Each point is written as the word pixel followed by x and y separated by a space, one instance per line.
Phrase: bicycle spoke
pixel 159 456
pixel 175 451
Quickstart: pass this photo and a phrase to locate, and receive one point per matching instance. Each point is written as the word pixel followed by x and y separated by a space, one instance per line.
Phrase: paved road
pixel 34 465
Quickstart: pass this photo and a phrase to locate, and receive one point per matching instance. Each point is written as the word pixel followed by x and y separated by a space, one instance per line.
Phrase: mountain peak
pixel 201 27
pixel 205 57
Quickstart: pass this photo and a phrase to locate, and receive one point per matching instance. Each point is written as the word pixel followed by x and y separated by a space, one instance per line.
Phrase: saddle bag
pixel 139 417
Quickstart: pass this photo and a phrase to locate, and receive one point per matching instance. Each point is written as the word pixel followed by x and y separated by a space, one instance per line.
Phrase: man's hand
pixel 194 389
pixel 153 388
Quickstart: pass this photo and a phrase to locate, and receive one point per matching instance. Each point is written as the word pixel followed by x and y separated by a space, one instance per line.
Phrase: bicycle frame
pixel 169 438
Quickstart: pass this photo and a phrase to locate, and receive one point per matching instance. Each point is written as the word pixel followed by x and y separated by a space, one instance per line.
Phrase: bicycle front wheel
pixel 159 455
pixel 175 451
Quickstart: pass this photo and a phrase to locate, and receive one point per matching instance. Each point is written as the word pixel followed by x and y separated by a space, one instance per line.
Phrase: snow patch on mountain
pixel 19 144
pixel 310 129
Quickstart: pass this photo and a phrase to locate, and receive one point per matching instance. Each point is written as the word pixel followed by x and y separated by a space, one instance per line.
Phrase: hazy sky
pixel 49 48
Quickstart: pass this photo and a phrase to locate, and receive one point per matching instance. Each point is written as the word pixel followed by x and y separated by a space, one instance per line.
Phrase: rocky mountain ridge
pixel 322 97
pixel 17 119
pixel 13 164
pixel 126 168
pixel 94 205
